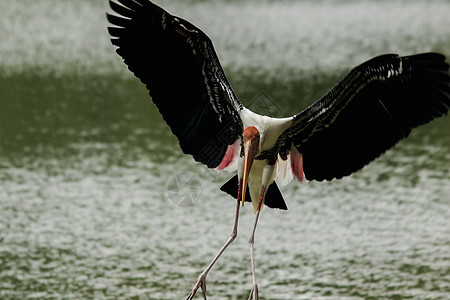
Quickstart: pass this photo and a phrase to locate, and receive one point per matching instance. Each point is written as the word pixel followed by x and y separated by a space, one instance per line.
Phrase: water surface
pixel 86 161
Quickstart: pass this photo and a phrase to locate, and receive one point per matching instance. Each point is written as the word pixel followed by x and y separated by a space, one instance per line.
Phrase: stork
pixel 372 108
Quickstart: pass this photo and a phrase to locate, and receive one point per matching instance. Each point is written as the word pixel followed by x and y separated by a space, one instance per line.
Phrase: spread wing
pixel 178 64
pixel 367 112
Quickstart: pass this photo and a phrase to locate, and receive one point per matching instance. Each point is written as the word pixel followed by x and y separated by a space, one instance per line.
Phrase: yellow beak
pixel 249 156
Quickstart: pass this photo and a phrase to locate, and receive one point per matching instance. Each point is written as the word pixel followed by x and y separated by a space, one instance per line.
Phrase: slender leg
pixel 251 241
pixel 201 281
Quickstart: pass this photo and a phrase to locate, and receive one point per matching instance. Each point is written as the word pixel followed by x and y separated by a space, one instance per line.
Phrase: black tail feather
pixel 274 199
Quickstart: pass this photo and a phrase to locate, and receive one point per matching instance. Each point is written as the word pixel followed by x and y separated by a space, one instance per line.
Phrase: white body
pixel 269 129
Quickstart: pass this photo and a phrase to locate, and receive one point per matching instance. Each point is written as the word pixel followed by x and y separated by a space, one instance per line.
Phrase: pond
pixel 90 173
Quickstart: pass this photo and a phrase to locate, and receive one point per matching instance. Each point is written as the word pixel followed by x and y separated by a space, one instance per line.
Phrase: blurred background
pixel 89 170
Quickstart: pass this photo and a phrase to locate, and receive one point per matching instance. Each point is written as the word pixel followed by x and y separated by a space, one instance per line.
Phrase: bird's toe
pixel 201 283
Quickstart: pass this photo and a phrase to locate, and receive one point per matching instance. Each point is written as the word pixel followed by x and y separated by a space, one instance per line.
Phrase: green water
pixel 86 161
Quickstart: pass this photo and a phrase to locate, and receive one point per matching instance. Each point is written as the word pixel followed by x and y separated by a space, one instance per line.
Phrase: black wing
pixel 180 68
pixel 369 111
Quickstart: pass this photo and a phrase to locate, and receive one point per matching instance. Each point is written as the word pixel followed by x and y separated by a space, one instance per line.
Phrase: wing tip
pixel 435 77
pixel 115 31
pixel 131 4
pixel 117 21
pixel 427 57
pixel 120 9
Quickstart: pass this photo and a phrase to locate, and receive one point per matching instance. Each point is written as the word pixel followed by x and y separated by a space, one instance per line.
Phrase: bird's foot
pixel 201 283
pixel 254 293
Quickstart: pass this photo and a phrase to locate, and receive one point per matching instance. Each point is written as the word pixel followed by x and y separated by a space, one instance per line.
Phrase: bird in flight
pixel 373 107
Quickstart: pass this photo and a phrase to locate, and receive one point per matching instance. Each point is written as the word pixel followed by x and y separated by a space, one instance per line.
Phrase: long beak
pixel 249 156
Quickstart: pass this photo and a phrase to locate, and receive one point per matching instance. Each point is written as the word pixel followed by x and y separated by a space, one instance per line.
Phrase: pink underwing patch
pixel 229 156
pixel 297 164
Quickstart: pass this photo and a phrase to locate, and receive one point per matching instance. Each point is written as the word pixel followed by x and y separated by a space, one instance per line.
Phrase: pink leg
pixel 254 292
pixel 201 281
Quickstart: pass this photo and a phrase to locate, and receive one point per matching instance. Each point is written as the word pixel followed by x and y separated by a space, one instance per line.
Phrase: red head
pixel 250 134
